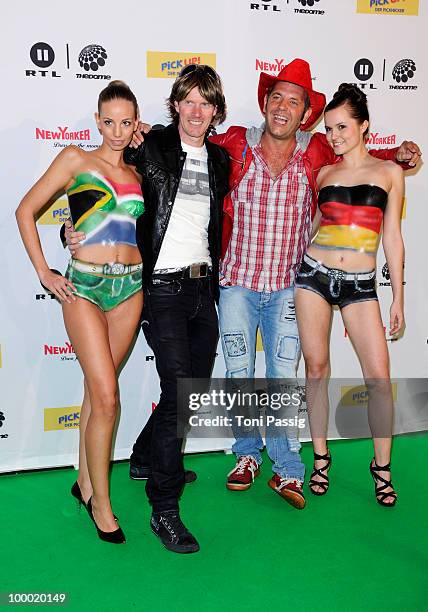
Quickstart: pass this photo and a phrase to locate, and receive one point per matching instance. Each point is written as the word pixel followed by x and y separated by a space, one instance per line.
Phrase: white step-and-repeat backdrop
pixel 55 60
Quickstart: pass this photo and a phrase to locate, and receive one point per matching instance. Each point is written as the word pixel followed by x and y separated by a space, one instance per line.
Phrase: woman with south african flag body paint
pixel 100 292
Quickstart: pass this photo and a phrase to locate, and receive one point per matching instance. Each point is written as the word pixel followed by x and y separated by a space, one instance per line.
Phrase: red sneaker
pixel 243 474
pixel 291 489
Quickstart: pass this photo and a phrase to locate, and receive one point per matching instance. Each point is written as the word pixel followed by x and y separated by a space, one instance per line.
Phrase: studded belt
pixel 108 269
pixel 337 276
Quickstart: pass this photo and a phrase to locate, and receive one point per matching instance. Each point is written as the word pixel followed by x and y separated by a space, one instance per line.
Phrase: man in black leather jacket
pixel 185 178
pixel 160 160
pixel 184 182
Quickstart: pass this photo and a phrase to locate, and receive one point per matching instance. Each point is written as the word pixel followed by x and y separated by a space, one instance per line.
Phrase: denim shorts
pixel 104 290
pixel 337 287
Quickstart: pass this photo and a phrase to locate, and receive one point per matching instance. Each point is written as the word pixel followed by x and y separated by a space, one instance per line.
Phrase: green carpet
pixel 342 552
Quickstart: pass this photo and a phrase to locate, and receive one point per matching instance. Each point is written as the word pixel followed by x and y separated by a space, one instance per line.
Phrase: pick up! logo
pixel 388 7
pixel 56 213
pixel 169 64
pixel 358 396
pixel 61 418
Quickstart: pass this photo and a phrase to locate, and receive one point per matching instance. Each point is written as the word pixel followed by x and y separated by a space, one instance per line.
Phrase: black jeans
pixel 182 330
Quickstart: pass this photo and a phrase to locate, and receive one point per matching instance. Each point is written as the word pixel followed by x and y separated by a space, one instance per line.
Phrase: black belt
pixel 200 270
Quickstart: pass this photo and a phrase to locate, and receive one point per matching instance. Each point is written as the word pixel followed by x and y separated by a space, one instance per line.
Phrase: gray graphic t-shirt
pixel 186 239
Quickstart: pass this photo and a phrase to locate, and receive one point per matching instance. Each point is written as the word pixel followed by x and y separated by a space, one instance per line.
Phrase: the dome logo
pixel 92 57
pixel 404 70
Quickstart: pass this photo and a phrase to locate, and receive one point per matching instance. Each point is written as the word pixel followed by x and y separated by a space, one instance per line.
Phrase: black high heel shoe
pixel 77 493
pixel 380 492
pixel 113 537
pixel 322 473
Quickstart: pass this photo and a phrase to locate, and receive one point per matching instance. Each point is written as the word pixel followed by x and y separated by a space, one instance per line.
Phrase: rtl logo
pixel 363 70
pixel 43 56
pixel 265 5
pixel 45 296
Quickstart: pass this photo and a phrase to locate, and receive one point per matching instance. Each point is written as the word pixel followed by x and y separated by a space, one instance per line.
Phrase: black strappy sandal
pixel 322 473
pixel 380 492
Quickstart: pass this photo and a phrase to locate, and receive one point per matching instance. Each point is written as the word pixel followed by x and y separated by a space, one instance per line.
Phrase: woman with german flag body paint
pixel 101 292
pixel 356 197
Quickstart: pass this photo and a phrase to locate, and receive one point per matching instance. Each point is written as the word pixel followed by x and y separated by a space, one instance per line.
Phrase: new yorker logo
pixel 62 133
pixel 66 351
pixel 376 139
pixel 274 66
pixel 58 350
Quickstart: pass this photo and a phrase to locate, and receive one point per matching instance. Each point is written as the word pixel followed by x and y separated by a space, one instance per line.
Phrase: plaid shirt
pixel 271 226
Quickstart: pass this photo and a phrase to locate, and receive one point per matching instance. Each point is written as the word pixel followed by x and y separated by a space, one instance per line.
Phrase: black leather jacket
pixel 160 160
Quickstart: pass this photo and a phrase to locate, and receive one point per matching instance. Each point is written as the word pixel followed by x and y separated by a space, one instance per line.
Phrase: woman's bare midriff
pixel 349 261
pixel 100 254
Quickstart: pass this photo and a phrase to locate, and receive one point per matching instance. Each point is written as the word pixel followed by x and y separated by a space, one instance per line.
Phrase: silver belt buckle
pixel 195 271
pixel 114 269
pixel 336 277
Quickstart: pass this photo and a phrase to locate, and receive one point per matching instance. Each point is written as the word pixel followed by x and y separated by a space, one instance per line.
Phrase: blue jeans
pixel 241 313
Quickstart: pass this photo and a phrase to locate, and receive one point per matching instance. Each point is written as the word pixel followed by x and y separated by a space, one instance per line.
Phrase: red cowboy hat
pixel 299 73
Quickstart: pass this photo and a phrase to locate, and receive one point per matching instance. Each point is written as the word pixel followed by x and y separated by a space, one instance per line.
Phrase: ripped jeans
pixel 241 312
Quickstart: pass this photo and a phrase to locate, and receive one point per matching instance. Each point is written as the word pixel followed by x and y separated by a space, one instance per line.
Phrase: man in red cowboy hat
pixel 266 230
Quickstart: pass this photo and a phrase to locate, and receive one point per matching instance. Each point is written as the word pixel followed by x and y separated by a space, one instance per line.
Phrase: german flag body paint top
pixel 351 217
pixel 105 210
